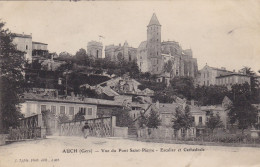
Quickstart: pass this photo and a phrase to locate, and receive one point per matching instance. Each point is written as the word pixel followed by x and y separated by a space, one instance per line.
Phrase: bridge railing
pixel 30 128
pixel 99 127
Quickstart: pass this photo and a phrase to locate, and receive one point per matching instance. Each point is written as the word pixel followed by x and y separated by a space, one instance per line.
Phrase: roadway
pixel 56 151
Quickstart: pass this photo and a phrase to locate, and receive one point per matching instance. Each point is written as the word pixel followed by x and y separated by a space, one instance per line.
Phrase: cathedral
pixel 153 55
pixel 120 52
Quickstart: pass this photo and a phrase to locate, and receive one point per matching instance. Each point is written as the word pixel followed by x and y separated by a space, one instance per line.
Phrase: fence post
pixel 113 125
pixel 40 124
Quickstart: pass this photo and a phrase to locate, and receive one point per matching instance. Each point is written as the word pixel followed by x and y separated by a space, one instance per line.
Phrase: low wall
pixel 159 133
pixel 120 132
pixel 3 139
pixel 162 132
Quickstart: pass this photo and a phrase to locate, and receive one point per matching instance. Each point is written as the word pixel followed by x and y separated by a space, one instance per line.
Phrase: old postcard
pixel 130 83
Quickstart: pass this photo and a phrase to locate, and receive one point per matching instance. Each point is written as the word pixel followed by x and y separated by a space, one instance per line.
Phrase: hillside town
pixel 155 91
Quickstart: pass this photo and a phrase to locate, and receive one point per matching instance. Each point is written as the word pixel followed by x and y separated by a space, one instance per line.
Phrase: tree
pixel 153 120
pixel 68 65
pixel 210 95
pixel 65 56
pixel 214 122
pixel 11 80
pixel 123 118
pixel 168 66
pixel 79 117
pixel 63 118
pixel 81 58
pixel 242 112
pixel 134 71
pixel 183 86
pixel 182 120
pixel 254 84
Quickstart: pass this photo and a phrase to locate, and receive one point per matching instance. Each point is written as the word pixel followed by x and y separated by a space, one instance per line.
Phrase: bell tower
pixel 154 45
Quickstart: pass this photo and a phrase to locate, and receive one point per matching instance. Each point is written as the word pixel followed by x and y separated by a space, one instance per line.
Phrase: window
pixel 53 109
pixel 26 47
pixel 157 40
pixel 97 53
pixel 140 57
pixel 82 110
pixel 157 55
pixel 208 83
pixel 71 111
pixel 200 120
pixel 89 111
pixel 157 59
pixel 43 108
pixel 157 68
pixel 62 110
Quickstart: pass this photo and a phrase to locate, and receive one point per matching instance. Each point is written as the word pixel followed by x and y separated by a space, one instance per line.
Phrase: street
pixel 58 151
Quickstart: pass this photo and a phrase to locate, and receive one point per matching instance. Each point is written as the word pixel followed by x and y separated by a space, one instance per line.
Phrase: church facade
pixel 153 55
pixel 120 52
pixel 94 49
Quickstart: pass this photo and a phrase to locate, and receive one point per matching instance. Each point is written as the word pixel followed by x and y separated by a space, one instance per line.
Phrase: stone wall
pixel 120 132
pixel 2 139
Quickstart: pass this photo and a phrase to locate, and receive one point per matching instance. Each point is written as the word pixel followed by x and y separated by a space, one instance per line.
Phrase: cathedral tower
pixel 154 46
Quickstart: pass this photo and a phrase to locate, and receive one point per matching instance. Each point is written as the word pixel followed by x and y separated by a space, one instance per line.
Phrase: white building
pixel 23 43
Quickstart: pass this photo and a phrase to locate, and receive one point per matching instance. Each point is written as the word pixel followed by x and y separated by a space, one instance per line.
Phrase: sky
pixel 220 33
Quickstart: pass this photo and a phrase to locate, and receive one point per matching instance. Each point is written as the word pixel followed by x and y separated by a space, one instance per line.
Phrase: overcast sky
pixel 220 33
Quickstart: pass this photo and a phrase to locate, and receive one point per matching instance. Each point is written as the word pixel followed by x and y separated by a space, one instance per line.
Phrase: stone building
pixel 220 76
pixel 94 49
pixel 155 62
pixel 142 59
pixel 183 62
pixel 152 54
pixel 120 52
pixel 23 43
pixel 39 49
pixel 231 79
pixel 208 75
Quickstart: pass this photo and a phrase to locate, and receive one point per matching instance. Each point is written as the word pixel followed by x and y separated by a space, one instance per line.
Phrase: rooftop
pixel 33 42
pixel 232 74
pixel 70 99
pixel 22 35
pixel 154 21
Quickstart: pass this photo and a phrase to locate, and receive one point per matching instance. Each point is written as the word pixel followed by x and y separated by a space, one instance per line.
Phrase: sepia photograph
pixel 130 83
